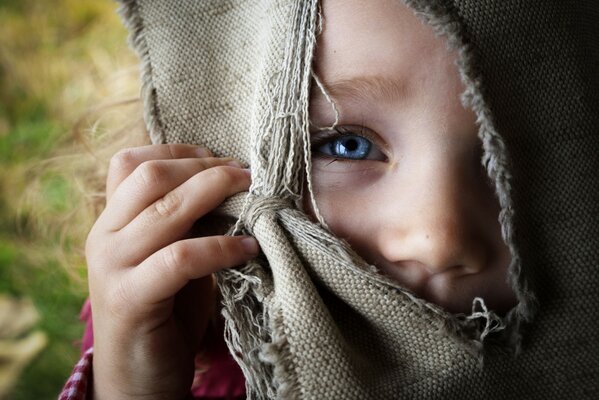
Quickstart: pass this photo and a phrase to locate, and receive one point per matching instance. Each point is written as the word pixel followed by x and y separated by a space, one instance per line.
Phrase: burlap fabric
pixel 309 319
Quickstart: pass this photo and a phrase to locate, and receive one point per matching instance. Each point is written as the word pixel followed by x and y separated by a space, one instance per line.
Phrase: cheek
pixel 329 174
pixel 341 186
pixel 347 203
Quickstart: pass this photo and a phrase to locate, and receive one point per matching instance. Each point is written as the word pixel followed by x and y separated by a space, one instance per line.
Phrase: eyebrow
pixel 365 88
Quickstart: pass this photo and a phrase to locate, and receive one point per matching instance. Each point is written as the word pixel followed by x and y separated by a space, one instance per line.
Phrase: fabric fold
pixel 309 318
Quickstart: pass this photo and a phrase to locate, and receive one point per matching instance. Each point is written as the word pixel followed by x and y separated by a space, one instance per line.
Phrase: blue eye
pixel 348 146
pixel 344 143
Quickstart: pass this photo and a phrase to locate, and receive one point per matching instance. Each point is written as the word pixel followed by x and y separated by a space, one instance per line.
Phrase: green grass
pixel 58 58
pixel 58 300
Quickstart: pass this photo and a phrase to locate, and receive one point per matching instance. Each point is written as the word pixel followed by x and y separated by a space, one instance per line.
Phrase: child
pixel 396 172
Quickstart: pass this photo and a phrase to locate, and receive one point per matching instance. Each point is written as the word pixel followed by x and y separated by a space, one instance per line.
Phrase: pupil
pixel 351 145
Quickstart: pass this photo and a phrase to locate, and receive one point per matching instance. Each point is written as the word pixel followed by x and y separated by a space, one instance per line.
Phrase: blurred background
pixel 67 79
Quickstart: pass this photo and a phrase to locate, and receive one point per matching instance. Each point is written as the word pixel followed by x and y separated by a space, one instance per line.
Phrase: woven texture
pixel 310 319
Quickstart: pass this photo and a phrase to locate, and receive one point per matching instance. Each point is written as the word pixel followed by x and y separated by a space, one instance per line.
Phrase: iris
pixel 349 146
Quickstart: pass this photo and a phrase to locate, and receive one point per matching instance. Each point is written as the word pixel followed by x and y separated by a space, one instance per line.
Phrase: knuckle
pixel 100 254
pixel 206 163
pixel 151 173
pixel 222 174
pixel 168 205
pixel 123 160
pixel 177 256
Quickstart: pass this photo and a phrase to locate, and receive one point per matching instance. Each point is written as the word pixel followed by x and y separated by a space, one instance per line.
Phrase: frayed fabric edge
pixel 129 10
pixel 246 296
pixel 265 358
pixel 445 22
pixel 496 159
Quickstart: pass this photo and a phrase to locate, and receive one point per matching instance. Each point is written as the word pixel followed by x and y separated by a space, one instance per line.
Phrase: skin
pixel 151 287
pixel 419 207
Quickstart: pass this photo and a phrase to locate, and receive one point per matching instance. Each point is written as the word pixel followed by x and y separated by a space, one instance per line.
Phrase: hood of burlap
pixel 309 318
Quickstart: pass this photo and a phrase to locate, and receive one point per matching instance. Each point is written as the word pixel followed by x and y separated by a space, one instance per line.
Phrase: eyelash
pixel 324 137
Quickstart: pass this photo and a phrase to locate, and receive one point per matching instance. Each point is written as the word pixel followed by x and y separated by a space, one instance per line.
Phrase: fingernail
pixel 203 152
pixel 250 245
pixel 235 163
pixel 248 171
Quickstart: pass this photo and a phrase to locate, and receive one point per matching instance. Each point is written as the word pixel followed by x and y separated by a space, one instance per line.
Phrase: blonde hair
pixel 79 166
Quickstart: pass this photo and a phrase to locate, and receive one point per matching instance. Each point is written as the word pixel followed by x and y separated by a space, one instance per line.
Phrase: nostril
pixel 454 247
pixel 437 245
pixel 434 270
pixel 409 273
pixel 439 256
pixel 455 257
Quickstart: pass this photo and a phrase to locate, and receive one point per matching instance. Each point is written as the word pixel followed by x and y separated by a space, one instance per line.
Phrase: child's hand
pixel 151 289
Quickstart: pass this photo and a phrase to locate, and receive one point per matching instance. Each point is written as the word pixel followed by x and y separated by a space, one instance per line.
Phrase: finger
pixel 168 270
pixel 123 163
pixel 150 181
pixel 170 218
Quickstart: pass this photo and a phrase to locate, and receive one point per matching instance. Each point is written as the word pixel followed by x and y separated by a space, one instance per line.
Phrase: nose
pixel 438 226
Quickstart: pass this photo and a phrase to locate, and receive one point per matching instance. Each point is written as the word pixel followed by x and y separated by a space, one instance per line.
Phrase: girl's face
pixel 400 177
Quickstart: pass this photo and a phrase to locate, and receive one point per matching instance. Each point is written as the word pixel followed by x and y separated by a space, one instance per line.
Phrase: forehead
pixel 377 38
